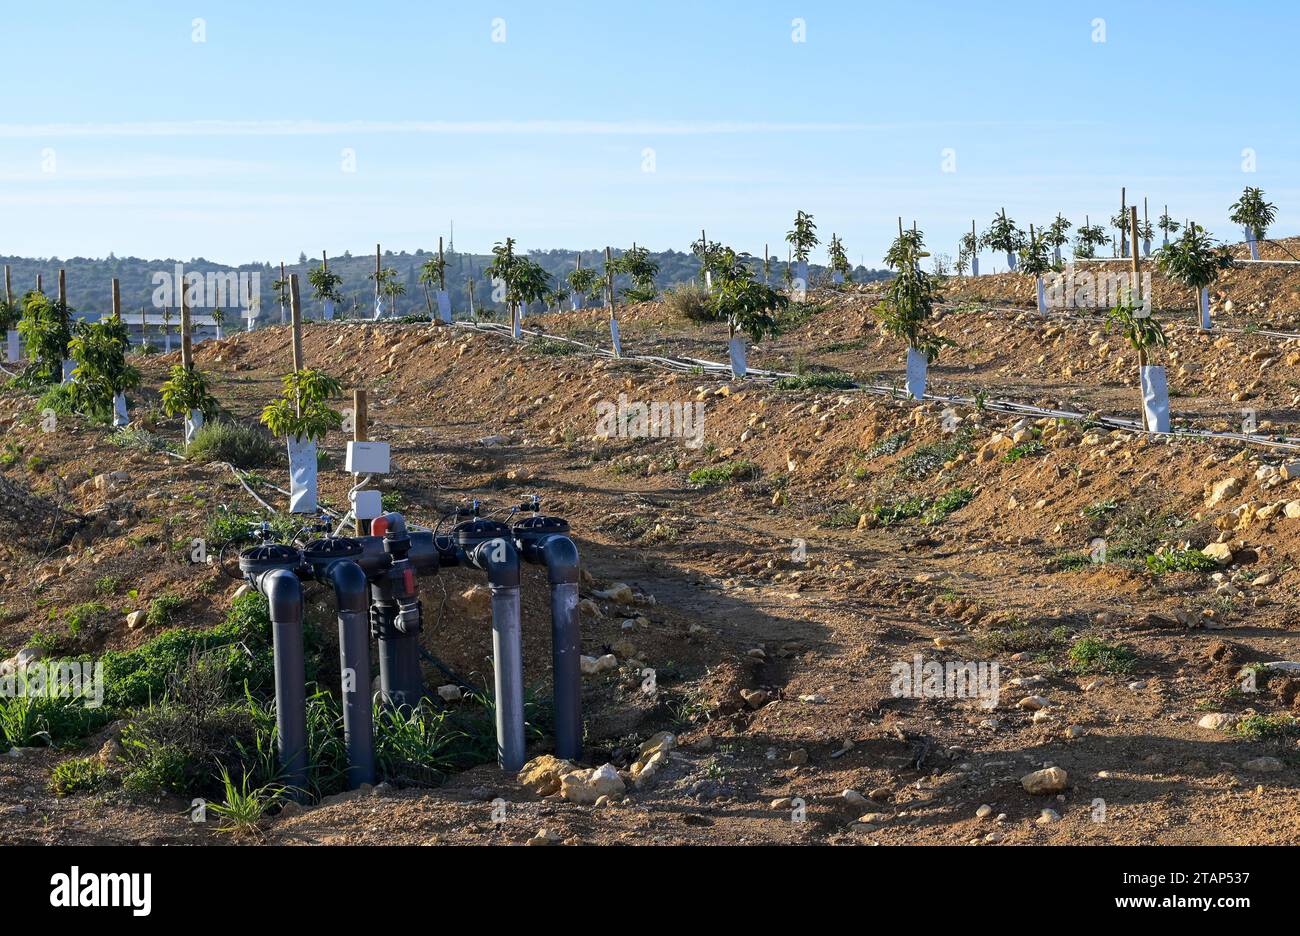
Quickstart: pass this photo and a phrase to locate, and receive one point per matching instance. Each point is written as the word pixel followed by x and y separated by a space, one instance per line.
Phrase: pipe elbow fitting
pixel 350 585
pixel 283 594
pixel 560 554
pixel 499 559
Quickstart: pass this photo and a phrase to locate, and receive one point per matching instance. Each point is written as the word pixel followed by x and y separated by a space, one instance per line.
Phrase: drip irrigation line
pixel 1009 407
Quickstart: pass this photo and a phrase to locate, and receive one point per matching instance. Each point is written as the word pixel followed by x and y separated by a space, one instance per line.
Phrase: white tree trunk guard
pixel 1155 397
pixel 302 476
pixel 916 374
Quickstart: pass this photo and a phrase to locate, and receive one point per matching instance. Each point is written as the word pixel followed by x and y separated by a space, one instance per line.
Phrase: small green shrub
pixel 162 610
pixel 727 472
pixel 78 775
pixel 1092 655
pixel 241 445
pixel 1024 450
pixel 689 301
pixel 1264 727
pixel 834 380
pixel 1181 560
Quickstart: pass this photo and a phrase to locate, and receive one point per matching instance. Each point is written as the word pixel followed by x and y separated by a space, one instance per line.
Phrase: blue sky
pixel 119 132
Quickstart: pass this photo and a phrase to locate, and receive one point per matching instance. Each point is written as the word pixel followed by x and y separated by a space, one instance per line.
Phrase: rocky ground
pixel 777 601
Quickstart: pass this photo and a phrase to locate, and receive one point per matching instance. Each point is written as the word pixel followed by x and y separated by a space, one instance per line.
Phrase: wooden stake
pixel 1123 213
pixel 609 279
pixel 442 279
pixel 295 315
pixel 187 348
pixel 117 299
pixel 360 433
pixel 40 287
pixel 63 289
pixel 9 286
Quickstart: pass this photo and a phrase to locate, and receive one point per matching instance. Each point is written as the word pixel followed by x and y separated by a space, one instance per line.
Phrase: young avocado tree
pixel 841 269
pixel 325 285
pixel 433 274
pixel 746 305
pixel 102 376
pixel 708 253
pixel 585 283
pixel 1120 223
pixel 802 238
pixel 383 280
pixel 167 329
pixel 1168 225
pixel 1145 231
pixel 218 319
pixel 970 246
pixel 281 290
pixel 1254 215
pixel 910 298
pixel 10 314
pixel 185 393
pixel 638 266
pixel 556 297
pixel 46 328
pixel 962 263
pixel 1003 236
pixel 1057 236
pixel 1034 262
pixel 302 416
pixel 1088 239
pixel 519 280
pixel 1144 333
pixel 1195 260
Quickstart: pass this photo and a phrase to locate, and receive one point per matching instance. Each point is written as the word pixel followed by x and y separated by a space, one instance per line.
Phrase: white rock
pixel 449 693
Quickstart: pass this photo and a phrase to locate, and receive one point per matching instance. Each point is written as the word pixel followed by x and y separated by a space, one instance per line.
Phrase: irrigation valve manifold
pixel 374 579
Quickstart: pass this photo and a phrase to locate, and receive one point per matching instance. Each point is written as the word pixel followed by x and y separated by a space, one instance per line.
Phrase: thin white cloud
pixel 246 128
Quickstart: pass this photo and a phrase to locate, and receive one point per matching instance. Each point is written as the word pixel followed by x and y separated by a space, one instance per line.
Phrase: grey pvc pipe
pixel 500 560
pixel 561 558
pixel 283 593
pixel 350 592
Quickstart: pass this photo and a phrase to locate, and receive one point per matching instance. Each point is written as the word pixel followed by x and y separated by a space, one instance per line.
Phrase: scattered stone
pixel 756 698
pixel 1032 703
pixel 544 837
pixel 449 693
pixel 1050 780
pixel 984 811
pixel 475 602
pixel 1048 816
pixel 1221 553
pixel 592 666
pixel 853 798
pixel 1218 721
pixel 543 775
pixel 586 786
pixel 1263 765
pixel 618 592
pixel 880 794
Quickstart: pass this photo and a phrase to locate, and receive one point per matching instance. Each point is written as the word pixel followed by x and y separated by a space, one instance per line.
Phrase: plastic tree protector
pixel 444 306
pixel 120 417
pixel 1155 397
pixel 1205 309
pixel 1042 301
pixel 327 310
pixel 916 374
pixel 739 363
pixel 302 475
pixel 193 423
pixel 11 346
pixel 1252 243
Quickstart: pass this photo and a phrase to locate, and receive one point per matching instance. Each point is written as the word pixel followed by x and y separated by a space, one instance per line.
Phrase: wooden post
pixel 442 276
pixel 40 286
pixel 378 269
pixel 9 286
pixel 63 288
pixel 1135 297
pixel 1123 215
pixel 282 279
pixel 117 299
pixel 295 314
pixel 609 280
pixel 187 347
pixel 360 433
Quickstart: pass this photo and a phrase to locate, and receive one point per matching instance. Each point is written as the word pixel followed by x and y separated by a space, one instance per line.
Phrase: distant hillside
pixel 89 278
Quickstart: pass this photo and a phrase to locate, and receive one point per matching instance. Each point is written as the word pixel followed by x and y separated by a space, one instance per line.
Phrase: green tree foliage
pixel 46 327
pixel 185 390
pixel 1194 259
pixel 910 297
pixel 1002 235
pixel 638 266
pixel 584 281
pixel 839 260
pixel 303 410
pixel 743 302
pixel 1253 212
pixel 99 350
pixel 1057 234
pixel 1089 238
pixel 325 283
pixel 803 236
pixel 1033 255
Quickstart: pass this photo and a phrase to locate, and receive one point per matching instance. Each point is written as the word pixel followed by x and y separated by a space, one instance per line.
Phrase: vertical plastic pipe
pixel 283 593
pixel 561 557
pixel 500 560
pixel 354 660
